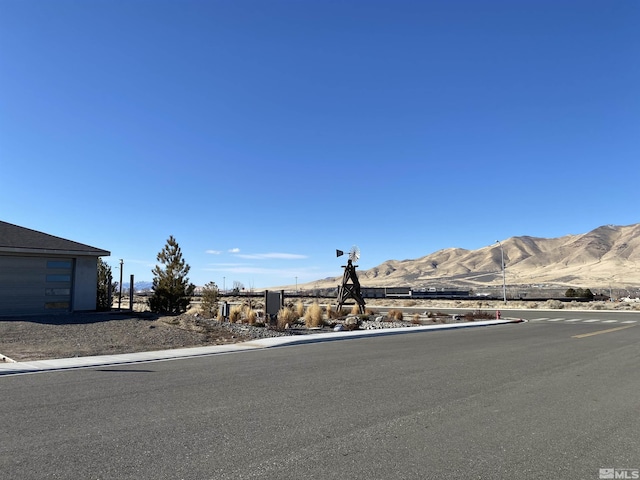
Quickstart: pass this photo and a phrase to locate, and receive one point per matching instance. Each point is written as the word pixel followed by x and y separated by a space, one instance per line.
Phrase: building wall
pixel 22 287
pixel 85 283
pixel 44 284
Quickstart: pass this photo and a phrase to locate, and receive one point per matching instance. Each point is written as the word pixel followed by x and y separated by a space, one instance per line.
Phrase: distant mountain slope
pixel 597 259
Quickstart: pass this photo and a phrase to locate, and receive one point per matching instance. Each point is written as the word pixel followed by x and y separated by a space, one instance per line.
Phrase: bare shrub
pixel 355 309
pixel 416 319
pixel 313 317
pixel 478 315
pixel 554 304
pixel 339 313
pixel 299 309
pixel 396 315
pixel 209 301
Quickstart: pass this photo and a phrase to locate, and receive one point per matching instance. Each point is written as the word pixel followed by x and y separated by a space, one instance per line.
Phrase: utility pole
pixel 131 292
pixel 504 276
pixel 120 296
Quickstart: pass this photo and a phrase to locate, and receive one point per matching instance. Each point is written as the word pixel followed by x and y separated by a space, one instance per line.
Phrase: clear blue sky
pixel 264 134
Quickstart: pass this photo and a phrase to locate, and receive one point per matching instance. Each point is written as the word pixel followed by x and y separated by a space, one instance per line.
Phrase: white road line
pixel 555 319
pixel 539 319
pixel 630 321
pixel 575 320
pixel 592 320
pixel 610 321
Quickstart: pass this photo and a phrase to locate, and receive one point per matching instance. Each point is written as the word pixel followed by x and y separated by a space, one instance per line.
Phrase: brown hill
pixel 606 256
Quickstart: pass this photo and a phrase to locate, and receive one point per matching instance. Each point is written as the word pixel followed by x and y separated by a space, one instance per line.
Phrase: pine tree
pixel 172 290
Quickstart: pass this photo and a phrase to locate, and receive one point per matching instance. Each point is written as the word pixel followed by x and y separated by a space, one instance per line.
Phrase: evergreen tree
pixel 210 296
pixel 172 290
pixel 105 289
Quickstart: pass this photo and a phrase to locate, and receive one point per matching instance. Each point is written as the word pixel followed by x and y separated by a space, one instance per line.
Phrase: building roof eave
pixel 54 252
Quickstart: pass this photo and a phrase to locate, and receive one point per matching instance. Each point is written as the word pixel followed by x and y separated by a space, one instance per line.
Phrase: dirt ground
pixel 88 334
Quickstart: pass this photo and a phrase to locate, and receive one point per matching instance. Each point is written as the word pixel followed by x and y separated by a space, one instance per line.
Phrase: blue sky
pixel 263 135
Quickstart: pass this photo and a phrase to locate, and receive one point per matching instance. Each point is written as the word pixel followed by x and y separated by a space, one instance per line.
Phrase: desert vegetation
pixel 285 318
pixel 209 300
pixel 314 316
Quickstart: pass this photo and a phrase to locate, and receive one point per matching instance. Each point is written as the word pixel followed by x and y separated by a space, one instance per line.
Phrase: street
pixel 537 400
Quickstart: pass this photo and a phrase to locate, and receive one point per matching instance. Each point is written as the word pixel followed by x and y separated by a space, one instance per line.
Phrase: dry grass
pixel 396 314
pixel 313 317
pixel 329 311
pixel 235 314
pixel 299 309
pixel 286 316
pixel 333 314
pixel 250 316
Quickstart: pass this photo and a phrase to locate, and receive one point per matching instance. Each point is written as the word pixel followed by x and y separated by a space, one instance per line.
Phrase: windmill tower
pixel 350 287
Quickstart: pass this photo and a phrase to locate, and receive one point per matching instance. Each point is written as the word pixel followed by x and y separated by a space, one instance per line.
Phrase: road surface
pixel 537 400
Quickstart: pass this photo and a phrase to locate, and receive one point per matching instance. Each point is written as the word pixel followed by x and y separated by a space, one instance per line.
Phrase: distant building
pixel 40 273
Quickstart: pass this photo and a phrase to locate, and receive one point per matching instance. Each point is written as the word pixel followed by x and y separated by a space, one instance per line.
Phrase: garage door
pixel 35 284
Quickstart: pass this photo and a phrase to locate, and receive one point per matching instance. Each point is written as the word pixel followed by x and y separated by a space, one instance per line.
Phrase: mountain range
pixel 604 257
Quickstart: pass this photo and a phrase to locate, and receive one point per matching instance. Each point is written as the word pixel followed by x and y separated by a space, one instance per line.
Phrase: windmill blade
pixel 354 254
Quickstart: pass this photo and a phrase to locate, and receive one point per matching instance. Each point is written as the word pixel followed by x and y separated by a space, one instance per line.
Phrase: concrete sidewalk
pixel 14 368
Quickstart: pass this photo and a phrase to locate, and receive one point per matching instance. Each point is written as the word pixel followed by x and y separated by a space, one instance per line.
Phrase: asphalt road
pixel 538 400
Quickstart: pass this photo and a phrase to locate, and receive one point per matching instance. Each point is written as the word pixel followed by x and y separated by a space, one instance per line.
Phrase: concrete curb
pixel 16 368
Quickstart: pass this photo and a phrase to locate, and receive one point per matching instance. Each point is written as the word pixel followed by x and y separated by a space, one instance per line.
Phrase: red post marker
pixel 498 314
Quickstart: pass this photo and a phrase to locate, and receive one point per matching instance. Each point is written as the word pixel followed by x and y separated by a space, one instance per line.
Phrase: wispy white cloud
pixel 213 252
pixel 217 265
pixel 270 256
pixel 234 250
pixel 303 274
pixel 245 269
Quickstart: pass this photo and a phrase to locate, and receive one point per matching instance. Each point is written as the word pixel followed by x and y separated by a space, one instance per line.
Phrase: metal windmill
pixel 350 287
